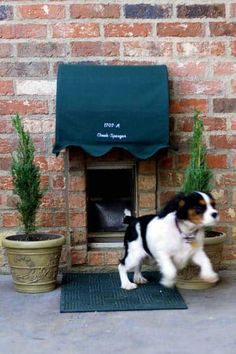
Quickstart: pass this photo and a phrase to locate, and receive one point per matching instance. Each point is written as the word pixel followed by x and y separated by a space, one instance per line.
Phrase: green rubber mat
pixel 88 292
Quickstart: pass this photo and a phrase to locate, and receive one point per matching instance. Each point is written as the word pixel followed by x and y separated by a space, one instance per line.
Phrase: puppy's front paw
pixel 129 286
pixel 168 283
pixel 210 278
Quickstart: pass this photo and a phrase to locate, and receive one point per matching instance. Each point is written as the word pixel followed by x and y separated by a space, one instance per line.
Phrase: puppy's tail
pixel 127 217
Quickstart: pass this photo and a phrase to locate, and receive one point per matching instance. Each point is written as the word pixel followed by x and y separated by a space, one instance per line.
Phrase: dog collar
pixel 187 237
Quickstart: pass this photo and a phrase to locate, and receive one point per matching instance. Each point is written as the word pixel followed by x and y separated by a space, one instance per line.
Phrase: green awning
pixel 102 107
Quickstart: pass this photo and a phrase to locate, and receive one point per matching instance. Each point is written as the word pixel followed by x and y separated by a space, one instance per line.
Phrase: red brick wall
pixel 197 42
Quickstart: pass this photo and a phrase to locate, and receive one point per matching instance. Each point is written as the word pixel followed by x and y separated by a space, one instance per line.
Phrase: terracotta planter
pixel 189 278
pixel 34 264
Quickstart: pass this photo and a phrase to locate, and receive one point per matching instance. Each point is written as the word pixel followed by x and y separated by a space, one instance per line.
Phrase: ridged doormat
pixel 89 292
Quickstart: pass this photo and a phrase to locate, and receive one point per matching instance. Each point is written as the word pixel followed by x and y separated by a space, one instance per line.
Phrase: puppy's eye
pixel 199 210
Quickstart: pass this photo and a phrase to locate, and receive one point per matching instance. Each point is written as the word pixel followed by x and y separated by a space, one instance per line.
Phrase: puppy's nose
pixel 214 215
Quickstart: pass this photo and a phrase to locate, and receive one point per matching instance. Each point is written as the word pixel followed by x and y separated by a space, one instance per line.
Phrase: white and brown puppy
pixel 173 238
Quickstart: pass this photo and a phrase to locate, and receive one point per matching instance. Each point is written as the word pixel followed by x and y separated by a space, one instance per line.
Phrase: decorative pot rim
pixel 56 241
pixel 218 238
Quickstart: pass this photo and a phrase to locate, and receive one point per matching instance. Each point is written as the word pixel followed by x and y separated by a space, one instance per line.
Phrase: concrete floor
pixel 33 324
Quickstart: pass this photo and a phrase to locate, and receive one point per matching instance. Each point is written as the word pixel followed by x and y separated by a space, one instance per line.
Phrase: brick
pixel 5 126
pixel 227 215
pixel 188 105
pixel 233 10
pixel 226 179
pixel 200 11
pixel 223 29
pixel 182 161
pixel 51 200
pixel 48 125
pixel 233 124
pixel 35 87
pixel 7 146
pixel 223 142
pixel 96 258
pixel 5 163
pixel 224 68
pixel 147 167
pixel 217 161
pixel 6 183
pixel 22 69
pixel 95 11
pixel 86 49
pixel 23 107
pixel 217 48
pixel 75 30
pixel 45 219
pixel 76 184
pixel 41 162
pixel 55 164
pixel 60 219
pixel 234 202
pixel 233 161
pixel 6 12
pixel 188 69
pixel 185 124
pixel 6 88
pixel 46 50
pixel 176 29
pixel 113 257
pixel 78 237
pixel 165 162
pixel 171 179
pixel 41 11
pixel 127 30
pixel 200 87
pixel 165 197
pixel 39 142
pixel 44 182
pixel 23 31
pixel 224 105
pixel 33 125
pixel 78 257
pixel 77 201
pixel 10 219
pixel 188 49
pixel 229 252
pixel 220 195
pixel 233 86
pixel 58 182
pixel 77 219
pixel 233 48
pixel 215 124
pixel 147 183
pixel 147 200
pixel 148 11
pixel 147 49
pixel 6 50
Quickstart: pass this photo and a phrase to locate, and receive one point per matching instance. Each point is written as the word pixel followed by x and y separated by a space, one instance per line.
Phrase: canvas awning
pixel 102 107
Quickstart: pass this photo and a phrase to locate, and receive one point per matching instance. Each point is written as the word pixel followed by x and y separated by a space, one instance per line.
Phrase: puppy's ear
pixel 181 211
pixel 181 203
pixel 172 205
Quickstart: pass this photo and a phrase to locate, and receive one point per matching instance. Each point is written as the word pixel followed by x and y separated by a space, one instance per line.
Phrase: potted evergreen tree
pixel 198 177
pixel 33 257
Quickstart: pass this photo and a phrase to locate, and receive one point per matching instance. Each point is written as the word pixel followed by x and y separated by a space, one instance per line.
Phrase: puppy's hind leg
pixel 138 277
pixel 129 263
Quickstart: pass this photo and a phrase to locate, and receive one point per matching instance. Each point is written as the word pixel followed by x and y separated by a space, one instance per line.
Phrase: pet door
pixel 109 192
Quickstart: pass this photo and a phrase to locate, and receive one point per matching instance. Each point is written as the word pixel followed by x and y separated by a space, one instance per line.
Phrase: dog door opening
pixel 109 191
